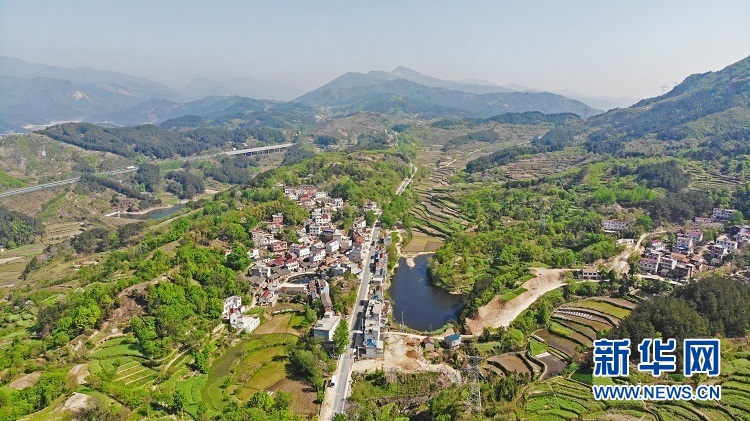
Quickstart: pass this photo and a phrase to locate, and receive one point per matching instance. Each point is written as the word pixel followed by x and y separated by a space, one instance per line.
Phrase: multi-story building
pixel 725 242
pixel 278 246
pixel 325 328
pixel 696 235
pixel 683 245
pixel 649 265
pixel 722 215
pixel 231 305
pixel 317 255
pixel 372 322
pixel 589 273
pixel 332 247
pixel 614 224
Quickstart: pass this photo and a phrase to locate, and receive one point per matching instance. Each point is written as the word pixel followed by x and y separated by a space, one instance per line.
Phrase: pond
pixel 155 213
pixel 424 307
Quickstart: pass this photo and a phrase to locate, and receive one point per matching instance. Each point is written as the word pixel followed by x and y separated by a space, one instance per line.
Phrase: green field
pixel 603 307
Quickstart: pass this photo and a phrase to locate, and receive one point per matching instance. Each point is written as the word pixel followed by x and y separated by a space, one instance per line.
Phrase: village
pixel 678 256
pixel 283 271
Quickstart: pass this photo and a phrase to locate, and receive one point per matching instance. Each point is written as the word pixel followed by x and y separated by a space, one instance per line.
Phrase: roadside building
pixel 649 265
pixel 325 328
pixel 589 273
pixel 452 341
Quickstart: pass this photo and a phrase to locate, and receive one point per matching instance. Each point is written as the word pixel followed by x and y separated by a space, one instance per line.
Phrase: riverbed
pixel 422 305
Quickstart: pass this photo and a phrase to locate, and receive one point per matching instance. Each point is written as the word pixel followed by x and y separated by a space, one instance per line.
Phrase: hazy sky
pixel 614 48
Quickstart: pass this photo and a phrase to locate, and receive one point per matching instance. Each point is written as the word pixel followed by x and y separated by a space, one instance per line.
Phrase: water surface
pixel 424 306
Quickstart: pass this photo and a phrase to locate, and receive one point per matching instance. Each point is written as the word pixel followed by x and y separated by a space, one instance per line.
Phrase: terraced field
pixel 540 165
pixel 510 362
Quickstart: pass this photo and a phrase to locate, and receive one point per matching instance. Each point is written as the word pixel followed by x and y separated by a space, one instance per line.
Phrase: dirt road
pixel 501 313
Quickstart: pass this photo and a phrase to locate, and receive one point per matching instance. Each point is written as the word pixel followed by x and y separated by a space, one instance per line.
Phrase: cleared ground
pixel 500 313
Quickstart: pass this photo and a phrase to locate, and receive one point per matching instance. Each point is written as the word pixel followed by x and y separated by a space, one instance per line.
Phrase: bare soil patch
pixel 554 365
pixel 403 352
pixel 510 362
pixel 25 381
pixel 304 396
pixel 78 402
pixel 78 373
pixel 499 313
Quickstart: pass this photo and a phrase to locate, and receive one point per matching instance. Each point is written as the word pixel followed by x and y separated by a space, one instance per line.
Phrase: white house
pixel 325 328
pixel 248 323
pixel 696 235
pixel 683 244
pixel 614 224
pixel 452 341
pixel 720 214
pixel 318 255
pixel 332 247
pixel 261 270
pixel 231 305
pixel 725 242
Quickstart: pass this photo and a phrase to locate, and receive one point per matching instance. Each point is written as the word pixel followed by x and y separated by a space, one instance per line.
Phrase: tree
pixel 341 336
pixel 238 258
pixel 178 402
pixel 149 175
pixel 284 400
pixel 261 400
pixel 370 218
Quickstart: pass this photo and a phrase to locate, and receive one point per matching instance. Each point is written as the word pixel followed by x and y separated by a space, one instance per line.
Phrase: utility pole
pixel 474 398
pixel 663 89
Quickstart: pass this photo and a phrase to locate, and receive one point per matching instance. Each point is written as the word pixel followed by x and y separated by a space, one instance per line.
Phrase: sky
pixel 599 48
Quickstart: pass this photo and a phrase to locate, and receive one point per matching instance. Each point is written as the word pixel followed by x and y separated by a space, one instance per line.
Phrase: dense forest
pixel 155 142
pixel 17 229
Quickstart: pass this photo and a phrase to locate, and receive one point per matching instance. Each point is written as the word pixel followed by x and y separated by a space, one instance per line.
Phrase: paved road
pixel 343 372
pixel 262 149
pixel 61 182
pixel 344 368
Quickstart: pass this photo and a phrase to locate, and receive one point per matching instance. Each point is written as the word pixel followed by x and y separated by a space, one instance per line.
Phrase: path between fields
pixel 499 313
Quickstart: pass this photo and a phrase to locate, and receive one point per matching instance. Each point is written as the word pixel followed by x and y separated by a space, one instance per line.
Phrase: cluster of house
pixel 320 249
pixel 682 259
pixel 234 312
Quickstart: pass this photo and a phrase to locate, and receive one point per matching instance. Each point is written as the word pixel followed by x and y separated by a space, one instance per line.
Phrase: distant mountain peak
pixel 405 71
pixel 78 95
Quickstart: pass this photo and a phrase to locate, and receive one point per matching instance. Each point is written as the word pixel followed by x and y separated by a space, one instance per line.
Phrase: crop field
pixel 554 365
pixel 255 363
pixel 281 323
pixel 602 307
pixel 565 346
pixel 596 323
pixel 582 329
pixel 509 363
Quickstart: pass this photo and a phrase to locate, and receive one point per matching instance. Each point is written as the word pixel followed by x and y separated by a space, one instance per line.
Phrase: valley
pixel 378 248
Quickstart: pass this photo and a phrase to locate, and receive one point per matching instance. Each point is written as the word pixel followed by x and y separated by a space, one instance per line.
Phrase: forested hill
pixel 706 117
pixel 709 109
pixel 153 141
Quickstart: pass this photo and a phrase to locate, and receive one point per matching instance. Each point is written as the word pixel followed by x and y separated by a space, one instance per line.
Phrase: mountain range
pixel 704 107
pixel 37 94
